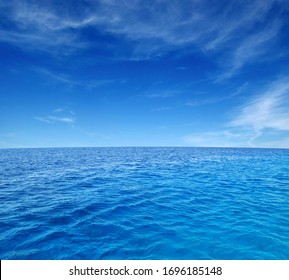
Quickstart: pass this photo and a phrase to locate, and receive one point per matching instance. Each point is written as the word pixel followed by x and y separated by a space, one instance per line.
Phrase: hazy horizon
pixel 169 147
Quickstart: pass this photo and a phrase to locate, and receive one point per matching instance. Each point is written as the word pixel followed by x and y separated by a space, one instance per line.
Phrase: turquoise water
pixel 144 203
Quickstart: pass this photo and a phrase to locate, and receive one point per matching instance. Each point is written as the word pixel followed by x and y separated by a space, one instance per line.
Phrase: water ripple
pixel 144 203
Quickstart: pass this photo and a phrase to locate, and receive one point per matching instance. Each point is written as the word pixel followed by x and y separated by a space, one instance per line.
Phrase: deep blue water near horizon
pixel 144 203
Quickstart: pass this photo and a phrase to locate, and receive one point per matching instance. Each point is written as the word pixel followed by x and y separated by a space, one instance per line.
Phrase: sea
pixel 145 203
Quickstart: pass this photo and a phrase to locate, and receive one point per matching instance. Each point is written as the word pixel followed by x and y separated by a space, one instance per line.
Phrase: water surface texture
pixel 144 203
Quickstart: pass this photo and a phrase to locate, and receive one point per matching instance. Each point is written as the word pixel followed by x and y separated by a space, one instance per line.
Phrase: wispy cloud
pixel 152 28
pixel 58 116
pixel 262 121
pixel 251 48
pixel 43 119
pixel 51 119
pixel 227 138
pixel 162 26
pixel 71 82
pixel 211 100
pixel 62 119
pixel 40 25
pixel 58 110
pixel 218 96
pixel 266 111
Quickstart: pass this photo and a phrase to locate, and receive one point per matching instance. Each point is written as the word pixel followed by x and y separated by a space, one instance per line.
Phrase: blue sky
pixel 144 73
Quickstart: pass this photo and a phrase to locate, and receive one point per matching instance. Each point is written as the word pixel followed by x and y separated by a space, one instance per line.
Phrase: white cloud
pixel 61 119
pixel 264 113
pixel 251 48
pixel 153 28
pixel 58 110
pixel 267 110
pixel 43 119
pixel 228 138
pixel 164 25
pixel 70 119
pixel 237 17
pixel 38 25
pixel 212 28
pixel 218 96
pixel 51 119
pixel 71 82
pixel 263 121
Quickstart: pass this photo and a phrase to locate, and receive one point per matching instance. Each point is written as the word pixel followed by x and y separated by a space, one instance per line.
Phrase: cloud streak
pixel 55 118
pixel 251 48
pixel 152 28
pixel 42 26
pixel 267 110
pixel 70 82
pixel 262 121
pixel 52 119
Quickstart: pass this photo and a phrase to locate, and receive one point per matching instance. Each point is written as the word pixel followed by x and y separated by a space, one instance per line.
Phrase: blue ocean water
pixel 144 203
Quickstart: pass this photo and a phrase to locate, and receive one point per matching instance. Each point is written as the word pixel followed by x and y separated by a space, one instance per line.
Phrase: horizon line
pixel 105 147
